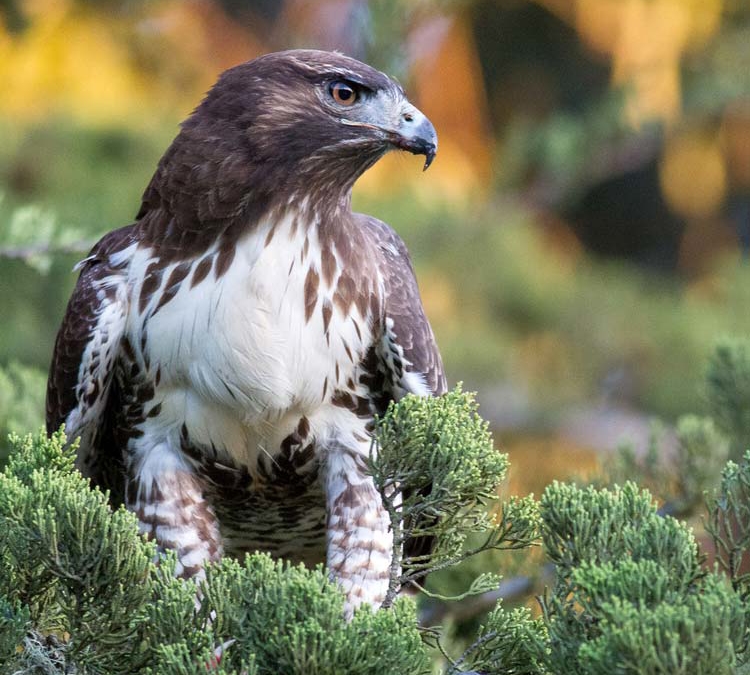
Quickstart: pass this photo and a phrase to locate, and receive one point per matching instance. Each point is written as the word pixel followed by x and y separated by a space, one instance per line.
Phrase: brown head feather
pixel 267 135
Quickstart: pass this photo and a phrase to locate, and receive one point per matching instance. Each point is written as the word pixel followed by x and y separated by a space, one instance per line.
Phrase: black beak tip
pixel 429 154
pixel 418 144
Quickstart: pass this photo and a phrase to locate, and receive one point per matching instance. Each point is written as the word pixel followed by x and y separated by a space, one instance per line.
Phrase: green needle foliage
pixel 15 622
pixel 728 392
pixel 729 524
pixel 80 591
pixel 435 466
pixel 79 570
pixel 263 616
pixel 510 642
pixel 629 597
pixel 702 452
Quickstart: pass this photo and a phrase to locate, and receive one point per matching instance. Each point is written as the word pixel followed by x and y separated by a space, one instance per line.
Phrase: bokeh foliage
pixel 509 289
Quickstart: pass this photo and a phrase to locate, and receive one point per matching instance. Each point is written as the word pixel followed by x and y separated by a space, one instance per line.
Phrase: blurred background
pixel 580 241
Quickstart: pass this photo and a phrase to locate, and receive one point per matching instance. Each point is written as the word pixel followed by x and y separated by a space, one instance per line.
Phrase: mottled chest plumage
pixel 248 347
pixel 251 362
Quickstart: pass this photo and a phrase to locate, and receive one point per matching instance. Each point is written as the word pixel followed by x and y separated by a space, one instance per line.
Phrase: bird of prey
pixel 222 359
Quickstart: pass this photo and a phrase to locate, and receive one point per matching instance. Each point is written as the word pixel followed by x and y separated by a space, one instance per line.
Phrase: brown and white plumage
pixel 222 358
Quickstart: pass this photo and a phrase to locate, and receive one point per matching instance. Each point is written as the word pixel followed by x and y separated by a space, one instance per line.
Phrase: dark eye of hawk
pixel 344 93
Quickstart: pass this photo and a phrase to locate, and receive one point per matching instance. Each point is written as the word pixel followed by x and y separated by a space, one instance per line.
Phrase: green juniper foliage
pixel 728 392
pixel 510 642
pixel 729 524
pixel 679 478
pixel 435 467
pixel 80 593
pixel 15 622
pixel 31 233
pixel 704 443
pixel 702 452
pixel 271 617
pixel 629 597
pixel 74 566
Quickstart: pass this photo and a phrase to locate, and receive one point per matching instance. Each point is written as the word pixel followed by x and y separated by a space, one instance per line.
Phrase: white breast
pixel 239 360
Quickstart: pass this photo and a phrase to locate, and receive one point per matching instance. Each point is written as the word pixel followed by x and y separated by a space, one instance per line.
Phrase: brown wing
pixel 409 335
pixel 86 347
pixel 408 330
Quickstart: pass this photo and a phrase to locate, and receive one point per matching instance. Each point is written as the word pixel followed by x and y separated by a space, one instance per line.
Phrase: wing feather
pixel 87 345
pixel 408 332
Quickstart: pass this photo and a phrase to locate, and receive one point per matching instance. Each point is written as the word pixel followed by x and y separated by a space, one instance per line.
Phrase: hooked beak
pixel 415 134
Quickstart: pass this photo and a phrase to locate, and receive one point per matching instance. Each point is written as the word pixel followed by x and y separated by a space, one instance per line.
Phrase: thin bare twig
pixel 508 590
pixel 32 250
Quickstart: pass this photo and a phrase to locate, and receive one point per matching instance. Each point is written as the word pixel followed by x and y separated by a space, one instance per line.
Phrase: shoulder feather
pixel 406 324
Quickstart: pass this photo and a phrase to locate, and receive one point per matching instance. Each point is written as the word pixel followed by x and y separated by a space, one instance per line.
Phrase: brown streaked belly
pixel 287 523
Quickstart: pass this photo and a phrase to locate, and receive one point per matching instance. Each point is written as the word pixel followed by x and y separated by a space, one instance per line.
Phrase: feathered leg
pixel 167 498
pixel 359 538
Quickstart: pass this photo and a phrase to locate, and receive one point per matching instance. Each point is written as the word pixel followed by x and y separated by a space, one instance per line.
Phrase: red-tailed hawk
pixel 222 358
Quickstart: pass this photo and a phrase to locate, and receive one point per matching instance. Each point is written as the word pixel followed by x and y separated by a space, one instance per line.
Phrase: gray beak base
pixel 419 137
pixel 413 133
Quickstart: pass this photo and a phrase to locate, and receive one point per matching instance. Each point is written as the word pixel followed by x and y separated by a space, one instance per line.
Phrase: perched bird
pixel 222 358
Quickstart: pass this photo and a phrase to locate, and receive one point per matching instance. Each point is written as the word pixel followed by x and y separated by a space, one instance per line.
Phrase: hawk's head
pixel 308 119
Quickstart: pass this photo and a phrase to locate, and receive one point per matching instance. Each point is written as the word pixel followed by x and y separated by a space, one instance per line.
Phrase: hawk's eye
pixel 343 93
